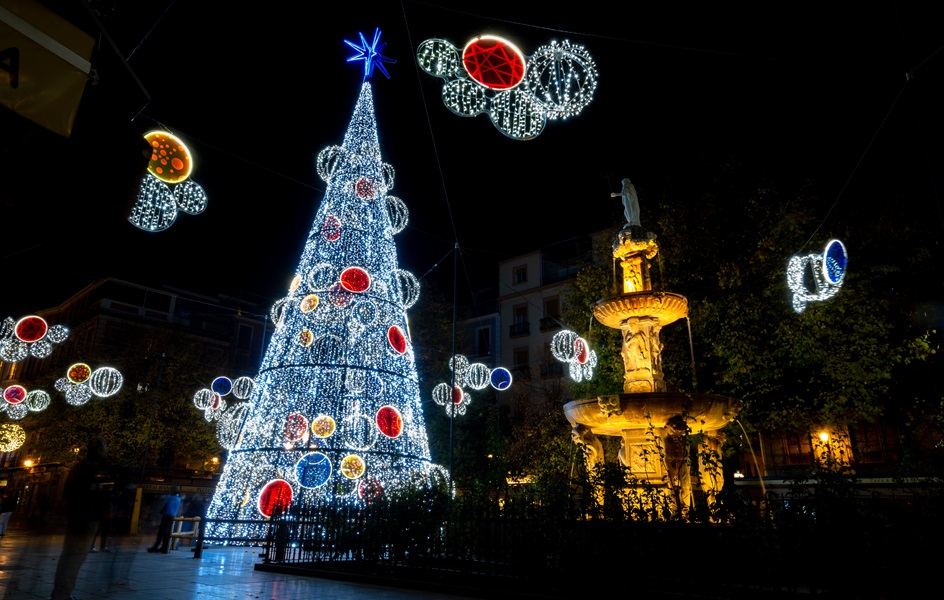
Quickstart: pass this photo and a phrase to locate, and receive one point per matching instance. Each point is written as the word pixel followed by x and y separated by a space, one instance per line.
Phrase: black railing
pixel 519 328
pixel 550 323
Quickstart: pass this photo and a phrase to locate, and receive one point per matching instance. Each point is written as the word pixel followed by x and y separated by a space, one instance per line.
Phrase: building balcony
pixel 550 324
pixel 519 329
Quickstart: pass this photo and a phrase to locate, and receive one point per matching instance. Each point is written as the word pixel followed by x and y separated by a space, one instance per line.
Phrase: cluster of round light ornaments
pixel 573 350
pixel 81 383
pixel 817 277
pixel 167 188
pixel 315 469
pixel 18 401
pixel 29 336
pixel 229 419
pixel 477 376
pixel 492 76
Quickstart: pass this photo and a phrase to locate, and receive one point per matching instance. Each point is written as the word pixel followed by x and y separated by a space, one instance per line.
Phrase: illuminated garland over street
pixel 475 375
pixel 229 419
pixel 30 336
pixel 492 76
pixel 81 383
pixel 334 417
pixel 817 277
pixel 573 350
pixel 167 188
pixel 18 402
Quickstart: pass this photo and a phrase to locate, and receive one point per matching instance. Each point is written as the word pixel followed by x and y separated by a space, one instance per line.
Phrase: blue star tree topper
pixel 370 54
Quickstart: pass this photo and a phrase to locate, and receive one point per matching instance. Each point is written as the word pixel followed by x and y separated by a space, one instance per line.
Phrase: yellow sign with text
pixel 44 64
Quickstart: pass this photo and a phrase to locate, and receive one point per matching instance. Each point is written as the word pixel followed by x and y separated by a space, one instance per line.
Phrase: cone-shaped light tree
pixel 335 416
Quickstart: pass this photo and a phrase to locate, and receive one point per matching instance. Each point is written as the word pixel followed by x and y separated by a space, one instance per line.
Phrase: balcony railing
pixel 519 329
pixel 550 323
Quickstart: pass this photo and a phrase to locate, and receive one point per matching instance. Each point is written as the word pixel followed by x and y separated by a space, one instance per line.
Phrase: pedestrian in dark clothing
pixel 7 504
pixel 87 493
pixel 168 512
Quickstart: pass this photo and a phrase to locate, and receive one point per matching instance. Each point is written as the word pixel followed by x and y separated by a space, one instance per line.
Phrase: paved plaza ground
pixel 28 564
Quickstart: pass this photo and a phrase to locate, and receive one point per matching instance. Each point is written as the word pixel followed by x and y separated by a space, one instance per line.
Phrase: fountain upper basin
pixel 622 412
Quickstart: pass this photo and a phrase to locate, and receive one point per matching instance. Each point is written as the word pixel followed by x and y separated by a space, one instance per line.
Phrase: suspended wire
pixel 854 169
pixel 153 27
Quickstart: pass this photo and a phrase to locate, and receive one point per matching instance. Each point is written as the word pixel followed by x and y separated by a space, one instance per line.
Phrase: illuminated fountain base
pixel 651 428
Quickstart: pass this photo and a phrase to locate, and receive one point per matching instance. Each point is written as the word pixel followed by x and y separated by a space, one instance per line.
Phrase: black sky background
pixel 849 97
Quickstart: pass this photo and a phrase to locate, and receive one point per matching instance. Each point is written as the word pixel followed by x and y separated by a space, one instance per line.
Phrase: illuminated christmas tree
pixel 335 417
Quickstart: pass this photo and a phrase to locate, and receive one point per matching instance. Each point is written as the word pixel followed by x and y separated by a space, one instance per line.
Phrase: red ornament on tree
pixel 355 279
pixel 275 497
pixel 397 339
pixel 389 421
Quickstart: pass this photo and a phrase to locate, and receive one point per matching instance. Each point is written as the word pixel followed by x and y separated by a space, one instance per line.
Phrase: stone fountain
pixel 650 421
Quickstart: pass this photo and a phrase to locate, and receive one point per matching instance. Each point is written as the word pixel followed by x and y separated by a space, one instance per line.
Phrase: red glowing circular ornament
pixel 275 497
pixel 389 421
pixel 296 426
pixel 457 395
pixel 369 489
pixel 397 339
pixel 355 279
pixel 494 62
pixel 217 400
pixel 581 352
pixel 339 296
pixel 14 394
pixel 331 230
pixel 365 188
pixel 31 329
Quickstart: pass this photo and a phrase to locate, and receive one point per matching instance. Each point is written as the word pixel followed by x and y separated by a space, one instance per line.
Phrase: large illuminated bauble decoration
pixel 105 381
pixel 817 277
pixel 29 336
pixel 569 348
pixel 492 76
pixel 313 470
pixel 167 188
pixel 275 497
pixel 501 378
pixel 562 78
pixel 12 437
pixel 229 425
pixel 493 62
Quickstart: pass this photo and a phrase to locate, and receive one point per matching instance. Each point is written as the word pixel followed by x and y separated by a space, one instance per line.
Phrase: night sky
pixel 258 93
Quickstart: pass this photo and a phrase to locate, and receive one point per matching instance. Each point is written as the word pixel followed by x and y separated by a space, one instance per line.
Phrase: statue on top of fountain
pixel 633 230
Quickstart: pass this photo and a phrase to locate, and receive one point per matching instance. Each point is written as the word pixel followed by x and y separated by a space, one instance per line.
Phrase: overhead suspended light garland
pixel 574 351
pixel 29 336
pixel 477 376
pixel 817 277
pixel 81 383
pixel 491 75
pixel 167 188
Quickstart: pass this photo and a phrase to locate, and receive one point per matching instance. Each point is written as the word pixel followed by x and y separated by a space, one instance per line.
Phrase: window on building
pixel 483 341
pixel 520 359
pixel 519 320
pixel 552 307
pixel 520 274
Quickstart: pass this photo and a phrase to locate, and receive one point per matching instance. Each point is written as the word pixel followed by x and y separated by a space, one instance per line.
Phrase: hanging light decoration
pixel 492 76
pixel 817 277
pixel 29 336
pixel 167 188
